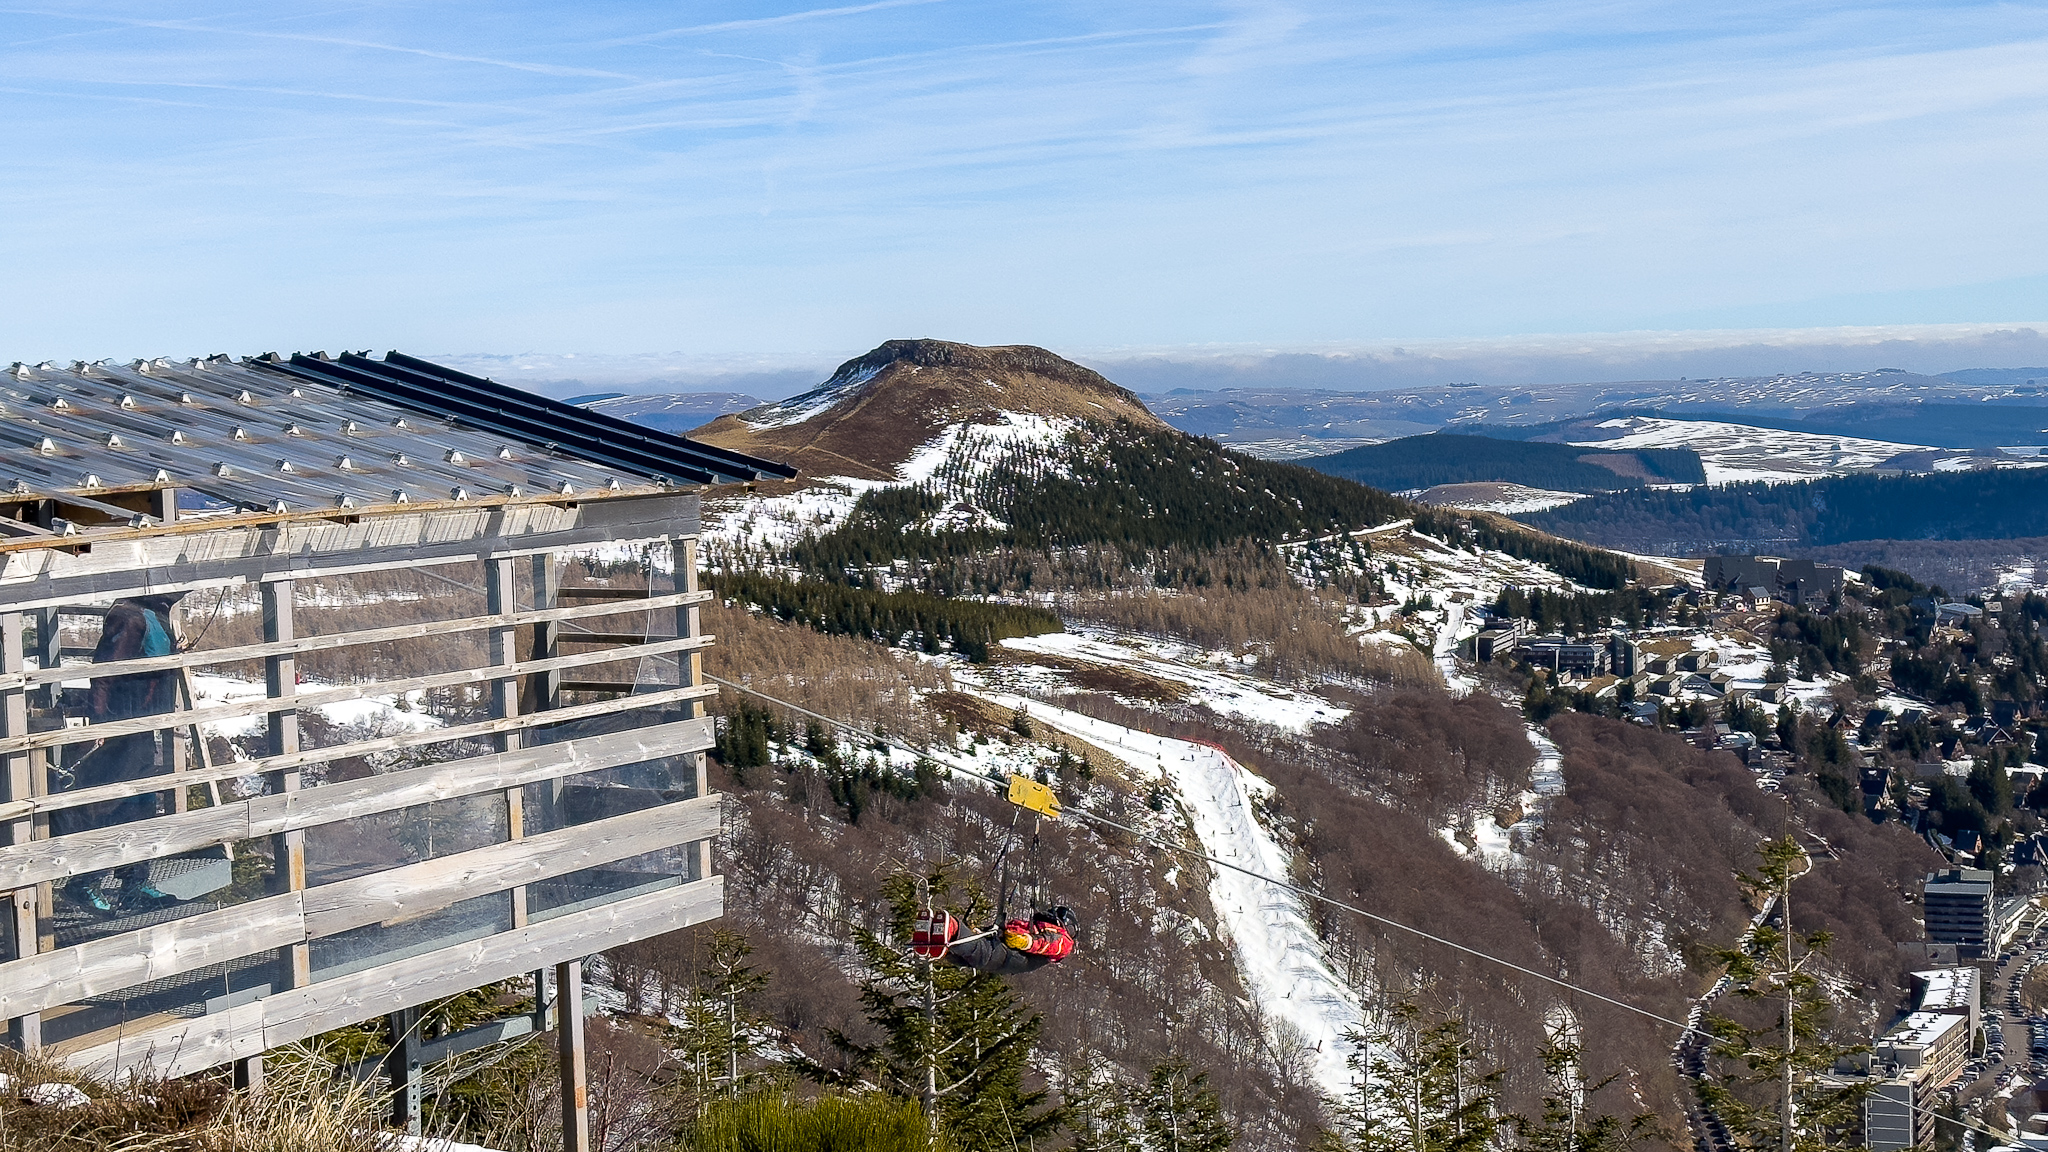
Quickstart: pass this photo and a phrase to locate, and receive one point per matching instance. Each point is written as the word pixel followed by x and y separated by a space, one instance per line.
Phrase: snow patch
pixel 1735 453
pixel 1279 954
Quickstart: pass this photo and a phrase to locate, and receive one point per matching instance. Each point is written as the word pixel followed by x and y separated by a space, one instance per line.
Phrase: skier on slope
pixel 1019 946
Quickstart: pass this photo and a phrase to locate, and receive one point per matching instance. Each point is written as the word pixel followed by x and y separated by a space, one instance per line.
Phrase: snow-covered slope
pixel 1279 954
pixel 1733 453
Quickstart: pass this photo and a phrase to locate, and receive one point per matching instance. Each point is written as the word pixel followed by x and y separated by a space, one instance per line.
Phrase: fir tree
pixel 1564 1125
pixel 1100 1112
pixel 717 1033
pixel 1181 1111
pixel 1422 1089
pixel 1769 1085
pixel 956 1040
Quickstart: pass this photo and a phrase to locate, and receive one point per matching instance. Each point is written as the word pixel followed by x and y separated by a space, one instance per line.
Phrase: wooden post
pixel 171 741
pixel 569 1045
pixel 288 849
pixel 402 1069
pixel 49 652
pixel 690 671
pixel 547 585
pixel 17 781
pixel 503 649
pixel 163 504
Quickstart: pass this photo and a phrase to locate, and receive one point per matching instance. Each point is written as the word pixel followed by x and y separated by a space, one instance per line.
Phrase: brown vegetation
pixel 916 387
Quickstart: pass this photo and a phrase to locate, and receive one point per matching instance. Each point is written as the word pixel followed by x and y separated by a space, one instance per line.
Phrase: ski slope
pixel 1278 952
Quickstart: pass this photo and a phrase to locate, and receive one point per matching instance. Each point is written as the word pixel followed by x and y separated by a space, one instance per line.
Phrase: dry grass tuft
pixel 305 1107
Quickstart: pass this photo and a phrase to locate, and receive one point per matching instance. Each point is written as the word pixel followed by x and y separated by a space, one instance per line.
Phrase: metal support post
pixel 569 1045
pixel 402 1069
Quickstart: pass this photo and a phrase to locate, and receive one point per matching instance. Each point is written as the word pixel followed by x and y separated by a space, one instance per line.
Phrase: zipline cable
pixel 1306 893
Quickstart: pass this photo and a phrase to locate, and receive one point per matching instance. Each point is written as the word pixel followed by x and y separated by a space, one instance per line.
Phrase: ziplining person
pixel 1020 946
pixel 1009 947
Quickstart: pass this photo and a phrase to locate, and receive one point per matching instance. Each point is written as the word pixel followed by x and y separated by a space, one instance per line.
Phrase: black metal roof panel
pixel 476 402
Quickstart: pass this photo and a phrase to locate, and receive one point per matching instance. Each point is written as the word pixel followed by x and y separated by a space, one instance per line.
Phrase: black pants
pixel 989 954
pixel 123 758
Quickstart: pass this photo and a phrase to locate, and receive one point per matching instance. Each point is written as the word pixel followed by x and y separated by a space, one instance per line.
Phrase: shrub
pixel 772 1122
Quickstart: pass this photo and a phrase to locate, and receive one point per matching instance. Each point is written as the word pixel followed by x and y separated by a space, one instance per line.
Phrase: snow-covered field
pixel 1733 453
pixel 1219 681
pixel 1506 499
pixel 1279 954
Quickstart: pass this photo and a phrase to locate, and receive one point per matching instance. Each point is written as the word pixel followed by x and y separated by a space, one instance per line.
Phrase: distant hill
pixel 669 411
pixel 1982 505
pixel 1442 458
pixel 878 409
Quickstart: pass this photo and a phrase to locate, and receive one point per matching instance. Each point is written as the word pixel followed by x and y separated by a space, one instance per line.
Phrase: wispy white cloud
pixel 1118 172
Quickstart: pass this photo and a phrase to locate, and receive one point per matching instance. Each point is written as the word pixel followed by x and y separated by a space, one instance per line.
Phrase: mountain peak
pixel 877 409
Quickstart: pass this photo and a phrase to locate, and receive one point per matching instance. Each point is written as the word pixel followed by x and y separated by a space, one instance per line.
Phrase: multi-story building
pixel 1915 1059
pixel 1959 910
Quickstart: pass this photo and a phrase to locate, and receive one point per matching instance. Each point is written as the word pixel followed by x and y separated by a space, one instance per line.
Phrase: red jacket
pixel 1039 939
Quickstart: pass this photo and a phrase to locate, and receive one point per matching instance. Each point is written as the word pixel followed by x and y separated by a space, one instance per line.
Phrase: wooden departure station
pixel 213 839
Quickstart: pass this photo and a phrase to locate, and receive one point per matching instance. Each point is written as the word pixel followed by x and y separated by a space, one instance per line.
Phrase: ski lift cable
pixel 1183 850
pixel 1309 894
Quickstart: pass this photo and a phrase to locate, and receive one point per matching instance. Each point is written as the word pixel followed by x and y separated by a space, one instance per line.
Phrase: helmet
pixel 1062 916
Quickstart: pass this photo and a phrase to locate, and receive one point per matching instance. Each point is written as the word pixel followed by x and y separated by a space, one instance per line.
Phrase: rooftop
pixel 308 434
pixel 1923 1028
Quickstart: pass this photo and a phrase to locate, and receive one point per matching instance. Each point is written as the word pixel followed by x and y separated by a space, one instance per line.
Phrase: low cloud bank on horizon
pixel 1595 358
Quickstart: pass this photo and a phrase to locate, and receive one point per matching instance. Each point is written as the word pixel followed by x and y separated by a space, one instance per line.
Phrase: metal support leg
pixel 402 1069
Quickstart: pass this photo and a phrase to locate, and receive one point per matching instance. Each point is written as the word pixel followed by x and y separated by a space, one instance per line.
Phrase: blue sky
pixel 765 178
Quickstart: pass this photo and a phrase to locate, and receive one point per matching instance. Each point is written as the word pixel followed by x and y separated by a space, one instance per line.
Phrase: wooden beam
pixel 604 594
pixel 405 893
pixel 111 963
pixel 196 553
pixel 182 1047
pixel 14 809
pixel 370 689
pixel 112 847
pixel 281 687
pixel 207 657
pixel 17 779
pixel 569 1050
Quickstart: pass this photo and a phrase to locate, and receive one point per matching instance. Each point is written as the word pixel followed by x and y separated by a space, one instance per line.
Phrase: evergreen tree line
pixel 1578 613
pixel 748 736
pixel 1447 458
pixel 911 619
pixel 1144 493
pixel 1575 562
pixel 1997 504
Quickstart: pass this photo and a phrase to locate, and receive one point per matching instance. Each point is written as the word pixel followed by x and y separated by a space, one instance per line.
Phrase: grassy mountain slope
pixel 1944 506
pixel 877 409
pixel 1443 458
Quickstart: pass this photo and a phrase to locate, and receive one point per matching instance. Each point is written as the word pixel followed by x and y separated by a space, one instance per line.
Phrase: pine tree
pixel 717 1033
pixel 957 1040
pixel 1100 1113
pixel 1564 1125
pixel 1769 1087
pixel 1181 1111
pixel 1422 1089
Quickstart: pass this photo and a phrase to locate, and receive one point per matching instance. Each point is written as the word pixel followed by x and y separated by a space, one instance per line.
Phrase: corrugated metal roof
pixel 311 433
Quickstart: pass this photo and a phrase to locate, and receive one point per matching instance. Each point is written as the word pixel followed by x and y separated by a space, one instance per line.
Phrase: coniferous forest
pixel 1444 458
pixel 1987 505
